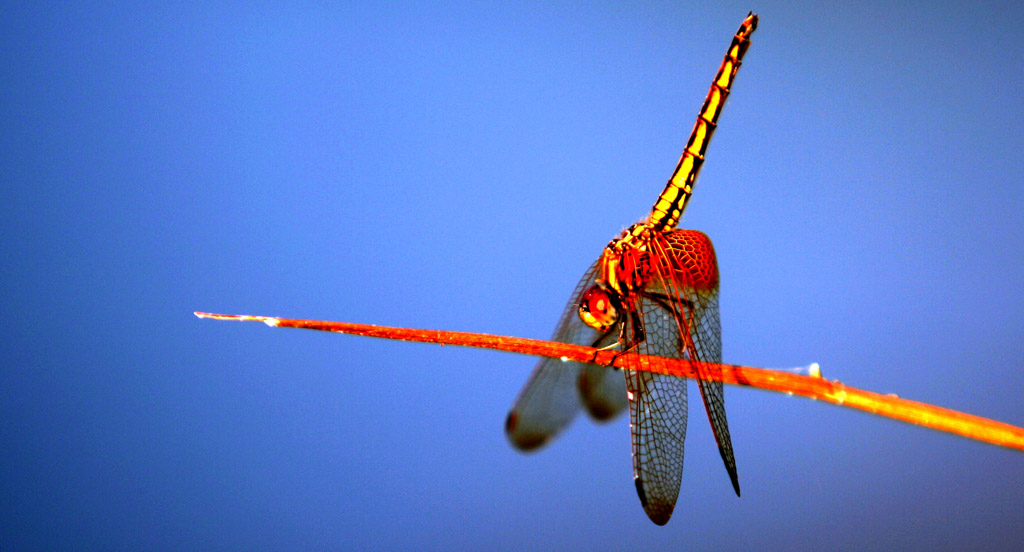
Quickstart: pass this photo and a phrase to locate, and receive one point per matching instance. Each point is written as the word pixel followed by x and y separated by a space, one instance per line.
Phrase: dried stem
pixel 891 406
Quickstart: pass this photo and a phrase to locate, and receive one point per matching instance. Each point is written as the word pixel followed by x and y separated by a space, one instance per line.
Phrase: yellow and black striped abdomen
pixel 672 201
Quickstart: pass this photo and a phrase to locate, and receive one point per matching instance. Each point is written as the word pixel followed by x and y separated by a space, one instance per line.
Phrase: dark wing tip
pixel 659 518
pixel 602 391
pixel 601 412
pixel 730 466
pixel 658 513
pixel 523 440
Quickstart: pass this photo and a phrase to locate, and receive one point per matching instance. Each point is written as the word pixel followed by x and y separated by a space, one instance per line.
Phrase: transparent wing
pixel 551 396
pixel 657 410
pixel 707 341
pixel 602 389
pixel 678 313
pixel 692 260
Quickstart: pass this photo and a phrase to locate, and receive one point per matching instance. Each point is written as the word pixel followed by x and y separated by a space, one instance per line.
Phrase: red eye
pixel 599 308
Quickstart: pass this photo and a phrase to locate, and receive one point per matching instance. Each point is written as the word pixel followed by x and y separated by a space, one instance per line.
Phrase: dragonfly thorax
pixel 625 263
pixel 683 259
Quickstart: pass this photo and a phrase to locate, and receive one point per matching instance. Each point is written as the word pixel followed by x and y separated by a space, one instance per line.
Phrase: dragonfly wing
pixel 690 273
pixel 551 397
pixel 546 404
pixel 657 411
pixel 707 340
pixel 603 389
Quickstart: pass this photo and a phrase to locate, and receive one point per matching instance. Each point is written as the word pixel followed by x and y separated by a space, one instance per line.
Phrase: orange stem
pixel 891 406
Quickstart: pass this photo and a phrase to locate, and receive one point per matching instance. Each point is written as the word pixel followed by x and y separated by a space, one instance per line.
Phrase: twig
pixel 891 406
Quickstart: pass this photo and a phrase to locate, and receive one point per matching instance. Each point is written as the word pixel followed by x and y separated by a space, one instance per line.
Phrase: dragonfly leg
pixel 608 347
pixel 639 335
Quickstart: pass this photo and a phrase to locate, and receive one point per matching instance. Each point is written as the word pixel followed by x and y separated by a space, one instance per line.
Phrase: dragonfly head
pixel 600 307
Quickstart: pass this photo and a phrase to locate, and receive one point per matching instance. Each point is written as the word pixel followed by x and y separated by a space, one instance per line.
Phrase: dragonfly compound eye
pixel 599 308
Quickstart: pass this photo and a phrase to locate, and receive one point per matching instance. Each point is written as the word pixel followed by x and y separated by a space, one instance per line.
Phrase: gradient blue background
pixel 459 168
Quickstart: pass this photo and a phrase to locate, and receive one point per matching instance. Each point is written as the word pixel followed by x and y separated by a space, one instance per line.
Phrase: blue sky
pixel 459 167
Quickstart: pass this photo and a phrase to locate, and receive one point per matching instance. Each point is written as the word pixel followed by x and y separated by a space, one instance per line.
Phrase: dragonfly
pixel 653 291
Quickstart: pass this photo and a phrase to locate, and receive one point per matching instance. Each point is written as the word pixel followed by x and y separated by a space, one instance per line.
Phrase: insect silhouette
pixel 653 291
